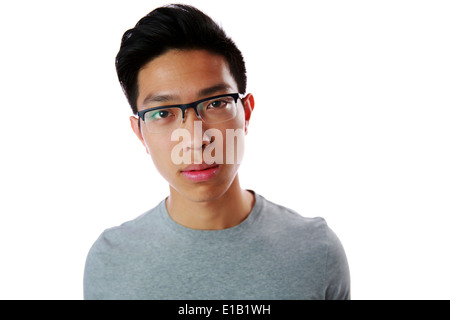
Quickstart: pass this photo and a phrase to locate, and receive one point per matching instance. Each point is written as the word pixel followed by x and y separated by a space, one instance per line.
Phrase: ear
pixel 137 130
pixel 249 105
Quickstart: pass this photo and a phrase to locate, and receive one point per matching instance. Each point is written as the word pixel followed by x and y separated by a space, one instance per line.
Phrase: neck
pixel 214 213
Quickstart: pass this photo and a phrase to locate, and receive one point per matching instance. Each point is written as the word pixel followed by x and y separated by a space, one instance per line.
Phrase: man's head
pixel 174 58
pixel 173 27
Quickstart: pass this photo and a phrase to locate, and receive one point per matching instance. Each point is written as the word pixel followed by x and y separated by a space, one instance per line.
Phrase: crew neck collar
pixel 242 226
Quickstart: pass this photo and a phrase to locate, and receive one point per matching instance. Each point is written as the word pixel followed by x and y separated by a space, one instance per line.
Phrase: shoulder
pixel 128 233
pixel 288 222
pixel 115 251
pixel 285 219
pixel 311 239
pixel 116 248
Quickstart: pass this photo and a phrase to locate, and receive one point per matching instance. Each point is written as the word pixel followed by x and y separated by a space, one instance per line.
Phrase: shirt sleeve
pixel 337 274
pixel 94 273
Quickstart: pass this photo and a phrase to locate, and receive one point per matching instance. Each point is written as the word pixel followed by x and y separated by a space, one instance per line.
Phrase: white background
pixel 351 123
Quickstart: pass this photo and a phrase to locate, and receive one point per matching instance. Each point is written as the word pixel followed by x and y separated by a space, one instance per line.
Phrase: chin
pixel 201 192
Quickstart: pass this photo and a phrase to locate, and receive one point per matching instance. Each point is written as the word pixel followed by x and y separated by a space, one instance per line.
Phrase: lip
pixel 200 172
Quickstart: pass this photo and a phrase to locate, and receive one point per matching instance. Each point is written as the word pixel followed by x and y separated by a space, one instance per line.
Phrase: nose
pixel 195 127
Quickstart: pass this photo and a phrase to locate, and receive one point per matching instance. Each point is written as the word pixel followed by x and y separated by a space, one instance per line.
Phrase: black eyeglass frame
pixel 193 105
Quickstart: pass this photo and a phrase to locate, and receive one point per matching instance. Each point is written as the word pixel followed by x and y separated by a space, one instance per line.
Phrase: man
pixel 209 239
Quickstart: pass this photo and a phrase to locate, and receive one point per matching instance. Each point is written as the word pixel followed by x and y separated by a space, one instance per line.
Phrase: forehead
pixel 183 74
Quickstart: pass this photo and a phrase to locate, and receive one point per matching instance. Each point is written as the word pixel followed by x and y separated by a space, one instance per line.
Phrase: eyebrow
pixel 202 93
pixel 214 89
pixel 159 98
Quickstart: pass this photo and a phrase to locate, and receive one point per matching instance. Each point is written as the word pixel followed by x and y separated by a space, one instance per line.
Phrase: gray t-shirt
pixel 275 253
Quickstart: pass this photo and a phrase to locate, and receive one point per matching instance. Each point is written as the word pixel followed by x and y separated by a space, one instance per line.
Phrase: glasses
pixel 210 110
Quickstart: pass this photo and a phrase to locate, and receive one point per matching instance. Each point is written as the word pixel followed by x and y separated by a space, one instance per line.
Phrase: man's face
pixel 180 77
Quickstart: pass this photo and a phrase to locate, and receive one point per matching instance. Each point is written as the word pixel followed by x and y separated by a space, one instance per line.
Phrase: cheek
pixel 233 142
pixel 235 145
pixel 239 121
pixel 160 152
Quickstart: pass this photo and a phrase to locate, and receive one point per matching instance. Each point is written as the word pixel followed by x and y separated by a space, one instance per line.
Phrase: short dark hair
pixel 175 26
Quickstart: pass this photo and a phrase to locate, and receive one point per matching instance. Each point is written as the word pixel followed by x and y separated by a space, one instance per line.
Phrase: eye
pixel 218 104
pixel 161 114
pixel 158 115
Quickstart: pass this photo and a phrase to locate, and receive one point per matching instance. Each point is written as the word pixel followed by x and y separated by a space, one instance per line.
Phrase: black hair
pixel 174 26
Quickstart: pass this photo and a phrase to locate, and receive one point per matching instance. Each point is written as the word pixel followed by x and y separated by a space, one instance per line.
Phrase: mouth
pixel 201 172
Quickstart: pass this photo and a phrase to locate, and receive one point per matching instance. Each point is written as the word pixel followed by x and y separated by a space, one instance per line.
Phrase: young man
pixel 209 239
